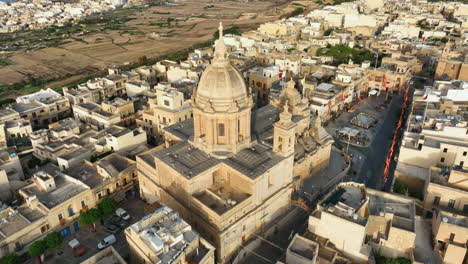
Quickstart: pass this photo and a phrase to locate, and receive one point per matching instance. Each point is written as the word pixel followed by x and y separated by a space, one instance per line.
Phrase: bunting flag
pixel 280 75
pixel 426 94
pixel 277 31
pixel 395 135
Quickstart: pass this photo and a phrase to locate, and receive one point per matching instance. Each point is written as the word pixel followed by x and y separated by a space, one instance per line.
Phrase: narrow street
pixel 368 168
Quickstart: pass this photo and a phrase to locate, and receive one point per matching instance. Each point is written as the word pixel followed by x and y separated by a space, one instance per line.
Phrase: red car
pixel 77 248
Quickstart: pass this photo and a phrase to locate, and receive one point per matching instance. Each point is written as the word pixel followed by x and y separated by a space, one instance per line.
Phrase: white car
pixel 122 214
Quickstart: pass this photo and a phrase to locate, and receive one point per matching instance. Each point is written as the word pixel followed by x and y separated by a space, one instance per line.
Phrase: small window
pixel 451 203
pixel 71 212
pixel 442 160
pixel 221 131
pixel 462 163
pixel 60 216
pixel 166 102
pixel 436 200
pixel 83 203
pixel 445 150
pixel 464 153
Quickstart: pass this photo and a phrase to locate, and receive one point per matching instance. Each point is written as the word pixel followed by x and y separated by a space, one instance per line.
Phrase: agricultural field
pixel 58 56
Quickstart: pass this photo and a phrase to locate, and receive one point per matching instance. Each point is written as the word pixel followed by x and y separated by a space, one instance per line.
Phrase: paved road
pixel 371 170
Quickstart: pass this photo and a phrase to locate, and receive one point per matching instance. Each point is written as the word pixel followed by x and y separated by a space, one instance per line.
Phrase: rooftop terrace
pixel 65 188
pixel 11 222
pixel 165 234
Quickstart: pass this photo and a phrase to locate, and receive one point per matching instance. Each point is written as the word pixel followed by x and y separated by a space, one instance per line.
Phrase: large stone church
pixel 230 170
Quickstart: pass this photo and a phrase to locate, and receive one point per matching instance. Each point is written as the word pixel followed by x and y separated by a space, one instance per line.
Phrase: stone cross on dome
pixel 220 53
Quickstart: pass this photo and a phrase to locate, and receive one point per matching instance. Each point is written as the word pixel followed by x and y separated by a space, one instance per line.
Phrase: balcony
pixel 84 208
pixel 62 221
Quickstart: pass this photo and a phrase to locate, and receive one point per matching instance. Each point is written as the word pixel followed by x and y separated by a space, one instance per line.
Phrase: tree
pixel 37 248
pixel 53 240
pixel 90 217
pixel 400 188
pixel 10 259
pixel 328 32
pixel 107 206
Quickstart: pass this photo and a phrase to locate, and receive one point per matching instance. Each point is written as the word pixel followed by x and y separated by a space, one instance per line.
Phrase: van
pixel 107 241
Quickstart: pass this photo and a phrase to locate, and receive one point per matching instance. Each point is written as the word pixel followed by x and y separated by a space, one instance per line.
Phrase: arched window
pixel 221 130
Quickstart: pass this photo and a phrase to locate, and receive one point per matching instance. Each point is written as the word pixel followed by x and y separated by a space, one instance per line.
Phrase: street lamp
pixel 347 147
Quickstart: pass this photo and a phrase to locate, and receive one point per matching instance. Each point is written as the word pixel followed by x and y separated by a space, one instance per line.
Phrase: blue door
pixel 76 226
pixel 65 232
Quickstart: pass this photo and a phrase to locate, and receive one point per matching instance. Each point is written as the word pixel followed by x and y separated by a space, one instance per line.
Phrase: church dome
pixel 221 87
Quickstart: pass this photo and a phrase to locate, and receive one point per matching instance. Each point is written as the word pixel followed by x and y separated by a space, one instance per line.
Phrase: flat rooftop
pixel 64 124
pixel 403 210
pixel 115 163
pixel 182 130
pixel 65 189
pixel 457 220
pixel 413 170
pixel 11 221
pixel 26 107
pixel 186 159
pixel 106 256
pixel 73 152
pixel 166 234
pixel 89 106
pixel 345 201
pixel 348 199
pixel 86 172
pixel 303 247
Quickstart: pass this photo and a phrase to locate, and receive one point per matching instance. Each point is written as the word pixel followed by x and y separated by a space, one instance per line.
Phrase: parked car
pixel 77 248
pixel 112 228
pixel 107 241
pixel 115 220
pixel 122 214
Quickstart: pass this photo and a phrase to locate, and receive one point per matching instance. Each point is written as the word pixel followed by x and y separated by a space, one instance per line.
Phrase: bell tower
pixel 284 134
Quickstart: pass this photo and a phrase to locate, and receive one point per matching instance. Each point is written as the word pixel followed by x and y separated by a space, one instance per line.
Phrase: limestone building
pixel 308 249
pixel 170 108
pixel 364 221
pixel 228 171
pixel 105 256
pixel 163 237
